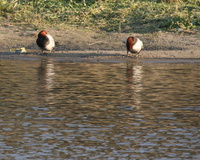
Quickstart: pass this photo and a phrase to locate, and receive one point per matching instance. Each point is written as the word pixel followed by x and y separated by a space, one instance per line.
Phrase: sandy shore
pixel 91 45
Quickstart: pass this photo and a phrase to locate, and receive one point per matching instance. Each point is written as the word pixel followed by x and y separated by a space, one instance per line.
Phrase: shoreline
pixel 107 56
pixel 96 45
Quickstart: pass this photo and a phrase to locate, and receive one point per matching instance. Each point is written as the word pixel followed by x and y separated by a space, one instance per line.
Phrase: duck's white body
pixel 137 47
pixel 51 44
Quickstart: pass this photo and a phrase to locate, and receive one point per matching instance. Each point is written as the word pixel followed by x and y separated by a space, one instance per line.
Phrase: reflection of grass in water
pixel 113 15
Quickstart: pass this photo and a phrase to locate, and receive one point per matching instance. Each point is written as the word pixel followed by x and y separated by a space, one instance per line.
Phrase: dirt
pixel 99 45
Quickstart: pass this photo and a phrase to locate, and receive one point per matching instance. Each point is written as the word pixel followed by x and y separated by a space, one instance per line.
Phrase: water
pixel 51 109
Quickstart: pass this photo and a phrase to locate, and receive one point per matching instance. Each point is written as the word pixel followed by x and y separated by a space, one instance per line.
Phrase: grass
pixel 108 15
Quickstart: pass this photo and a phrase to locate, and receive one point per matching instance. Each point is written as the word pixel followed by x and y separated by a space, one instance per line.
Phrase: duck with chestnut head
pixel 134 45
pixel 45 41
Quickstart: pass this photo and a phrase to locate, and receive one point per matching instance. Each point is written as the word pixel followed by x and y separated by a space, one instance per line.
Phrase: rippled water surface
pixel 52 109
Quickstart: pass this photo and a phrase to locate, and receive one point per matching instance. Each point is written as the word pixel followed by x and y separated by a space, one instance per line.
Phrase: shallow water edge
pixel 109 56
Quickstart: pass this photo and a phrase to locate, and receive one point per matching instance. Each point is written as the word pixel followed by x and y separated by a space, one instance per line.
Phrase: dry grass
pixel 108 15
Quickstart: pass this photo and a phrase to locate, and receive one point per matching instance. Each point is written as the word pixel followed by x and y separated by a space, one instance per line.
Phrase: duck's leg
pixel 137 55
pixel 41 52
pixel 127 54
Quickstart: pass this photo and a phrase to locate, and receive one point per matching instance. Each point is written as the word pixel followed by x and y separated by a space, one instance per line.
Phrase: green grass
pixel 108 15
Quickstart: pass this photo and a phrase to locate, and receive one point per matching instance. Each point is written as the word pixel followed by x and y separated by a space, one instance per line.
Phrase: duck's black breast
pixel 42 41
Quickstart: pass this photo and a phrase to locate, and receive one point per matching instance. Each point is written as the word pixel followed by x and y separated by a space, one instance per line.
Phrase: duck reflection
pixel 46 73
pixel 134 78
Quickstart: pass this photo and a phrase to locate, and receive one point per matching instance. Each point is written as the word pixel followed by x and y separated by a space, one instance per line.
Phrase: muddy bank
pixel 87 44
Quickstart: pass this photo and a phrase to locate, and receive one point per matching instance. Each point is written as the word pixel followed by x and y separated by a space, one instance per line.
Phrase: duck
pixel 134 45
pixel 45 41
